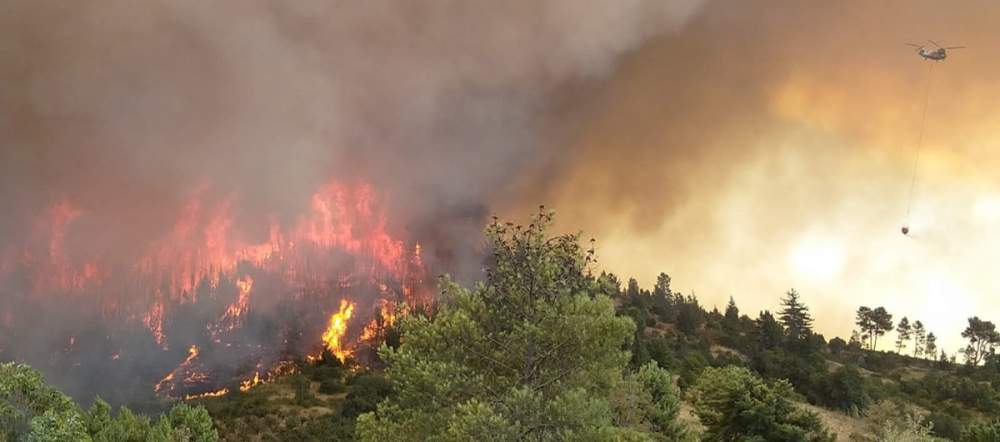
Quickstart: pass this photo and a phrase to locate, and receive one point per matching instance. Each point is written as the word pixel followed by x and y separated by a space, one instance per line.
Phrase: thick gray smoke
pixel 125 107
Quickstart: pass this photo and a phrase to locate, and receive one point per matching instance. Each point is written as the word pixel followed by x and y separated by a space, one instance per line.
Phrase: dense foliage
pixel 535 353
pixel 32 411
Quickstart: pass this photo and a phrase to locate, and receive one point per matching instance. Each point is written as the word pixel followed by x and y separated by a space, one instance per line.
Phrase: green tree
pixel 731 325
pixel 904 332
pixel 651 392
pixel 843 389
pixel 855 342
pixel 690 315
pixel 919 339
pixel 866 324
pixel 32 409
pixel 930 349
pixel 873 324
pixel 883 323
pixel 983 338
pixel 988 431
pixel 837 345
pixel 735 405
pixel 193 422
pixel 534 353
pixel 663 299
pixel 768 332
pixel 795 316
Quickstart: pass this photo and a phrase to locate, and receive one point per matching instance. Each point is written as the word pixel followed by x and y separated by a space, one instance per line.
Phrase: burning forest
pixel 204 310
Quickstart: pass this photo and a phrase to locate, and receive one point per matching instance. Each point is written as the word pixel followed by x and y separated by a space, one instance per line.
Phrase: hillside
pixel 848 387
pixel 546 350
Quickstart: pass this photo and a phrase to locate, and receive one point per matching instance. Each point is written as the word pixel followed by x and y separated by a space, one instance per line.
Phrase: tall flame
pixel 333 253
pixel 338 326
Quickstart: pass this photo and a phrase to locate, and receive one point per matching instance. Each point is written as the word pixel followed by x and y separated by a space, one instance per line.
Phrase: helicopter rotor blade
pixel 911 44
pixel 935 44
pixel 955 47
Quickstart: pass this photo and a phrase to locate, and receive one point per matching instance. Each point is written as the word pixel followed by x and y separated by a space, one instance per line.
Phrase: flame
pixel 387 317
pixel 339 244
pixel 337 328
pixel 192 354
pixel 222 392
pixel 246 385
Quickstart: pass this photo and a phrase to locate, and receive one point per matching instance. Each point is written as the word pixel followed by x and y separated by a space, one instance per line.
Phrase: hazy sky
pixel 770 145
pixel 745 147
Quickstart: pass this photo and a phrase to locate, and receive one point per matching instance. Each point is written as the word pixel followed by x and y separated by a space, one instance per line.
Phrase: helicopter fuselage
pixel 937 55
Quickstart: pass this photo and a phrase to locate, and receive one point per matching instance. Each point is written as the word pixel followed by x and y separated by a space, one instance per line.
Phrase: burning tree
pixel 217 306
pixel 534 352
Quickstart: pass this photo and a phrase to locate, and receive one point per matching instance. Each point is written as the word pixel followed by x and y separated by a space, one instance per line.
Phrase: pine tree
pixel 919 339
pixel 930 350
pixel 731 324
pixel 795 316
pixel 866 324
pixel 904 332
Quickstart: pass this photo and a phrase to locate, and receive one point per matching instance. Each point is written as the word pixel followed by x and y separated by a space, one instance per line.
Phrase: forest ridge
pixel 544 350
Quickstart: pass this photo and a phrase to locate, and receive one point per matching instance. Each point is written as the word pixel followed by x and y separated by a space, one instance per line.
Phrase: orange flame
pixel 338 326
pixel 246 385
pixel 192 354
pixel 222 392
pixel 340 241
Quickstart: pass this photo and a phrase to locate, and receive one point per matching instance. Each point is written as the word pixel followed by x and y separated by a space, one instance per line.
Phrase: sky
pixel 744 147
pixel 770 145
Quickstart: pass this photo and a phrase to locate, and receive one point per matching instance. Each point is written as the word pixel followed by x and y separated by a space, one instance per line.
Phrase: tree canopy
pixel 735 405
pixel 535 353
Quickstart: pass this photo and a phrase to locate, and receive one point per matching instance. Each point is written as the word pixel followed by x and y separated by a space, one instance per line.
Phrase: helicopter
pixel 938 54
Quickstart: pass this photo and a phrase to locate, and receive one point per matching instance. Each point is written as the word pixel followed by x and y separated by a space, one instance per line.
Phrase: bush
pixel 365 394
pixel 733 404
pixel 332 386
pixel 982 432
pixel 843 389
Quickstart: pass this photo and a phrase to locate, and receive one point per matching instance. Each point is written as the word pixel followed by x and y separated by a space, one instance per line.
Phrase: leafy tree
pixel 650 391
pixel 690 315
pixel 837 345
pixel 534 353
pixel 919 339
pixel 795 316
pixel 843 389
pixel 855 342
pixel 30 408
pixel 33 411
pixel 866 323
pixel 983 338
pixel 735 405
pixel 873 324
pixel 883 323
pixel 768 333
pixel 988 431
pixel 193 422
pixel 904 332
pixel 930 349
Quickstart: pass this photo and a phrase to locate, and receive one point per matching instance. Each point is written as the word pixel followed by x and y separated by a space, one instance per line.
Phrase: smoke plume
pixel 118 114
